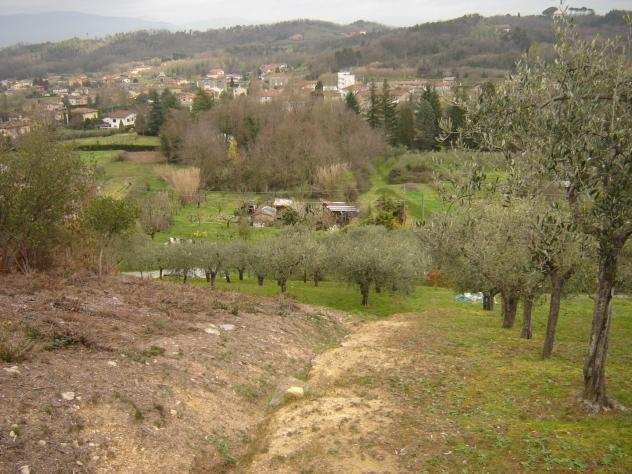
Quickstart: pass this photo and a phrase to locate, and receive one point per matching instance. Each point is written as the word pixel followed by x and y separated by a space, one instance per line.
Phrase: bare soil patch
pixel 128 375
pixel 366 409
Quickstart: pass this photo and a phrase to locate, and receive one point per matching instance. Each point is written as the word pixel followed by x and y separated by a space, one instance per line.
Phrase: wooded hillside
pixel 472 41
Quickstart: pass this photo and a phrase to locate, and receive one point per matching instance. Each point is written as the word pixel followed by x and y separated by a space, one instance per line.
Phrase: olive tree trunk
pixel 595 365
pixel 240 271
pixel 554 312
pixel 488 300
pixel 260 280
pixel 364 290
pixel 210 278
pixel 527 311
pixel 509 308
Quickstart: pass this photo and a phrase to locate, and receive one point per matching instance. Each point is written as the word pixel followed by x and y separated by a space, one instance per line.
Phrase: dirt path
pixel 351 418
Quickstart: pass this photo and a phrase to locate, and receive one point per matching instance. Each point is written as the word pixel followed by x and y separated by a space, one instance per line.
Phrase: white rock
pixel 173 412
pixel 212 331
pixel 295 392
pixel 25 470
pixel 112 363
pixel 68 396
pixel 13 370
pixel 41 442
pixel 227 327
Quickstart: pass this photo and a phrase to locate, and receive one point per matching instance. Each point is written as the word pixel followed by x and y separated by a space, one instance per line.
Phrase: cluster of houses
pixel 74 100
pixel 338 213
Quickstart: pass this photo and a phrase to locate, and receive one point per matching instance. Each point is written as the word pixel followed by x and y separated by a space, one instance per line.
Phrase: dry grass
pixel 184 181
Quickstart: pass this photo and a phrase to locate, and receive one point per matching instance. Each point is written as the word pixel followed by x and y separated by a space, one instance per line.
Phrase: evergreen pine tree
pixel 457 118
pixel 388 112
pixel 202 101
pixel 406 126
pixel 426 126
pixel 168 101
pixel 156 116
pixel 352 102
pixel 431 95
pixel 373 113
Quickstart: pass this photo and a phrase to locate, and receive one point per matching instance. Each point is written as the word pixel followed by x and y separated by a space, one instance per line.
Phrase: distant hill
pixel 468 44
pixel 57 26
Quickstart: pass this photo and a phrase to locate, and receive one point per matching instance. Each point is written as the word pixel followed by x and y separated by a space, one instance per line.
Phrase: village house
pixel 84 113
pixel 342 211
pixel 78 81
pixel 264 216
pixel 120 119
pixel 273 68
pixel 239 90
pixel 277 81
pixel 76 99
pixel 216 74
pixel 345 79
pixel 60 91
pixel 282 204
pixel 13 128
pixel 268 96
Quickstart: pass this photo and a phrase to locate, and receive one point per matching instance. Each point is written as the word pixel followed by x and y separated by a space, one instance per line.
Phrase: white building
pixel 120 119
pixel 345 79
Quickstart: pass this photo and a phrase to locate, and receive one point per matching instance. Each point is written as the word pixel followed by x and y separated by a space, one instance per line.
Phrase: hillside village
pixel 112 102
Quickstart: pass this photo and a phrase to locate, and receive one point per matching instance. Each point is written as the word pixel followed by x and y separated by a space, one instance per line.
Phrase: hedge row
pixel 117 146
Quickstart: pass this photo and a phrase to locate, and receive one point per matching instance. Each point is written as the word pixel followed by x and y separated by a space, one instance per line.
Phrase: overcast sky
pixel 394 12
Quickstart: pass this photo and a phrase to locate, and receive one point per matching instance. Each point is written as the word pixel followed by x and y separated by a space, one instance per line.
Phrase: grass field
pixel 120 178
pixel 119 139
pixel 498 405
pixel 208 219
pixel 421 199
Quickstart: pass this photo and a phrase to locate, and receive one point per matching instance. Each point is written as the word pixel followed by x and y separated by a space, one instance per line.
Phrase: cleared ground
pixel 125 375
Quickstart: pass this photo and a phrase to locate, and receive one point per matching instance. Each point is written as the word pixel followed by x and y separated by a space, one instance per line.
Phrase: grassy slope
pixel 118 178
pixel 506 408
pixel 413 198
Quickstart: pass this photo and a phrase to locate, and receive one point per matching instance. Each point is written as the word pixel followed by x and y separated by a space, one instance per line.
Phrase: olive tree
pixel 183 258
pixel 374 257
pixel 284 258
pixel 212 257
pixel 238 257
pixel 558 250
pixel 572 119
pixel 258 257
pixel 156 212
pixel 483 246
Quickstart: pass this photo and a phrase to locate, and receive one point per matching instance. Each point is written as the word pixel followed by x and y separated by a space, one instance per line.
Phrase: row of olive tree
pixel 513 247
pixel 567 122
pixel 371 258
